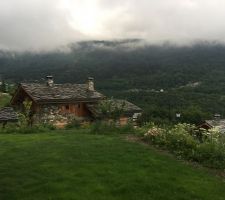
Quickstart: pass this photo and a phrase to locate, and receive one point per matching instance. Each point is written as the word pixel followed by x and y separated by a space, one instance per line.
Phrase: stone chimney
pixel 50 81
pixel 90 84
pixel 217 116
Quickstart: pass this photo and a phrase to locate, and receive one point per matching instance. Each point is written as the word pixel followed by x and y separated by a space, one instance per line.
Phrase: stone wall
pixel 53 114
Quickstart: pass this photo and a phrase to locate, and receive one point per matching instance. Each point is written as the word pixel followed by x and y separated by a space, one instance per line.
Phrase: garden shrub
pixel 185 141
pixel 180 140
pixel 73 124
pixel 156 135
pixel 211 152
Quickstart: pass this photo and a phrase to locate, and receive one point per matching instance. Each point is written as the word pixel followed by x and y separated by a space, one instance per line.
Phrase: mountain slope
pixel 193 77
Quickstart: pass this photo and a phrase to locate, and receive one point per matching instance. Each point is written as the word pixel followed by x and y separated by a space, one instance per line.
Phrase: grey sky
pixel 48 24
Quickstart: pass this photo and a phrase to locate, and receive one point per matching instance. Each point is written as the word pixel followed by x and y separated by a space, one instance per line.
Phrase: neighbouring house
pixel 217 123
pixel 59 104
pixel 7 114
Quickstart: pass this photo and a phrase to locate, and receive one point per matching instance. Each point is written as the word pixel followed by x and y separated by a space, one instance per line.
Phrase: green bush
pixel 211 152
pixel 180 141
pixel 73 124
pixel 183 140
pixel 156 135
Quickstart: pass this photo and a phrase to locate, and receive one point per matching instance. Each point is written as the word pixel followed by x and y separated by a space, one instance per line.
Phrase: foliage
pixel 110 110
pixel 3 87
pixel 27 112
pixel 27 107
pixel 185 141
pixel 4 100
pixel 75 123
pixel 192 77
pixel 194 115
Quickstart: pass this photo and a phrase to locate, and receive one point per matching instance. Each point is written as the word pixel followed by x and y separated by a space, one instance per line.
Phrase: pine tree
pixel 4 87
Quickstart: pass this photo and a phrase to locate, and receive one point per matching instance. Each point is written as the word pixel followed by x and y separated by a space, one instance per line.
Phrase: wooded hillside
pixel 192 77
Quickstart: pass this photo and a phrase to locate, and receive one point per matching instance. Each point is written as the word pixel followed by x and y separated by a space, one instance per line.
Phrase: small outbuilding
pixel 125 110
pixel 218 124
pixel 7 114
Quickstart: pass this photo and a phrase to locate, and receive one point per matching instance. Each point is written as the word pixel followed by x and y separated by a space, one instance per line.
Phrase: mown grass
pixel 4 99
pixel 68 165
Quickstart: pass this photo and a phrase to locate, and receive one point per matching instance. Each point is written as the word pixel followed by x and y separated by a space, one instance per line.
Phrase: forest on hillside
pixel 162 79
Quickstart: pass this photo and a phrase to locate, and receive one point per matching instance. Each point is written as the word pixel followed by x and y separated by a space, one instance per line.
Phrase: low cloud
pixel 48 24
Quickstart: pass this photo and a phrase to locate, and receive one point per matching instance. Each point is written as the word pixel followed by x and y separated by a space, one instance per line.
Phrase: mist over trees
pixel 192 77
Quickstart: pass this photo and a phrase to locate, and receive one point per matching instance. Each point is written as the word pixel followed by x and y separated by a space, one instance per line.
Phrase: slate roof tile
pixel 127 107
pixel 60 92
pixel 7 114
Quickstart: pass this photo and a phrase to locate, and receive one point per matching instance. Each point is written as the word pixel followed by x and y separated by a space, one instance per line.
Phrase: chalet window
pixel 67 107
pixel 78 105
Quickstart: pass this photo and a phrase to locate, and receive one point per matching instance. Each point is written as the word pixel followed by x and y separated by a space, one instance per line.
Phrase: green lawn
pixel 4 99
pixel 66 165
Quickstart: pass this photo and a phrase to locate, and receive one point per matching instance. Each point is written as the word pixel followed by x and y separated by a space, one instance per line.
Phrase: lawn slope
pixel 4 99
pixel 81 166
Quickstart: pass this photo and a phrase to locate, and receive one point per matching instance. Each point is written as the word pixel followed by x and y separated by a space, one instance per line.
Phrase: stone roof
pixel 218 124
pixel 7 114
pixel 60 92
pixel 127 107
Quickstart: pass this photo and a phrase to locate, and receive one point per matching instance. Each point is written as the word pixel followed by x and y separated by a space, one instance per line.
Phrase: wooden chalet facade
pixel 58 104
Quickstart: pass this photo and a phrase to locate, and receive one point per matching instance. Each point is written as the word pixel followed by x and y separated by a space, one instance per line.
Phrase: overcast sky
pixel 48 24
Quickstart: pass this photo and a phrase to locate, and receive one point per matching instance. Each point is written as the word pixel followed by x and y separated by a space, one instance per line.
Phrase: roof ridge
pixel 60 92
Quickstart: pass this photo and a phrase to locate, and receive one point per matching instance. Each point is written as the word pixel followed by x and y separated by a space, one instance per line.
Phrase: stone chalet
pixel 59 104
